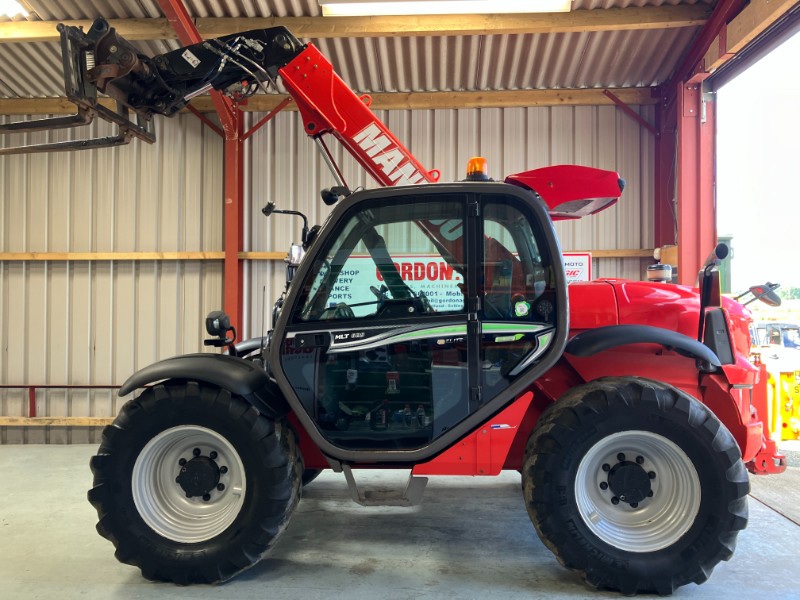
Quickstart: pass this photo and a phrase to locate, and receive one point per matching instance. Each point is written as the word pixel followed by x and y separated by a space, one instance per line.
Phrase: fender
pixel 593 341
pixel 238 376
pixel 248 346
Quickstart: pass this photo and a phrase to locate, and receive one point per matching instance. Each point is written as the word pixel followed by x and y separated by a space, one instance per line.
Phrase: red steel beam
pixel 664 214
pixel 724 11
pixel 50 386
pixel 185 28
pixel 233 126
pixel 268 118
pixel 234 225
pixel 663 219
pixel 681 131
pixel 697 231
pixel 630 112
pixel 209 123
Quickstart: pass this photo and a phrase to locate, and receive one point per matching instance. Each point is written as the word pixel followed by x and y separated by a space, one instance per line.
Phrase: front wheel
pixel 635 484
pixel 192 484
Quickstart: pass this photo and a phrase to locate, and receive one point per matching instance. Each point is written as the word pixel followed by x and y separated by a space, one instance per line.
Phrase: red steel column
pixel 695 168
pixel 664 211
pixel 234 222
pixel 232 122
pixel 697 230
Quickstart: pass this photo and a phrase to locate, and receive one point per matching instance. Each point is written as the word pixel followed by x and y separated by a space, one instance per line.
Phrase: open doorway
pixel 758 204
pixel 758 164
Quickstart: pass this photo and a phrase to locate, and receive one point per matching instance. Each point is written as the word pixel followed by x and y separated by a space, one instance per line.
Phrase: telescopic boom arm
pixel 237 65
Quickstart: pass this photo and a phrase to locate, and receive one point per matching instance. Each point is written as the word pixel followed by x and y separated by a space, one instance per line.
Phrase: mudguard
pixel 238 376
pixel 592 341
pixel 247 346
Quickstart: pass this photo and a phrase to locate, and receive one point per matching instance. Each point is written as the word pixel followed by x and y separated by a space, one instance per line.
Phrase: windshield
pixel 387 253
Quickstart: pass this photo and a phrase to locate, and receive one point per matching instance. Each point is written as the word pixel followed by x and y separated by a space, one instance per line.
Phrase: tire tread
pixel 582 407
pixel 280 467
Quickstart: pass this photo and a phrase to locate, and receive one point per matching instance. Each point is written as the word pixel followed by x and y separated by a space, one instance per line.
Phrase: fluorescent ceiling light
pixel 12 8
pixel 353 8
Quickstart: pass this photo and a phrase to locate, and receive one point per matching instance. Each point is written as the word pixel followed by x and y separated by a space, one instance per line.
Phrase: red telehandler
pixel 428 327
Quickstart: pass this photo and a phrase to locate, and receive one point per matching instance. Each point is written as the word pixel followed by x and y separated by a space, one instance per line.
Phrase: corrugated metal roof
pixel 139 9
pixel 638 58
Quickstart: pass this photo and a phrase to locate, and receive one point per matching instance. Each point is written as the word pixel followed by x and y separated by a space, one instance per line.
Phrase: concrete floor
pixel 471 538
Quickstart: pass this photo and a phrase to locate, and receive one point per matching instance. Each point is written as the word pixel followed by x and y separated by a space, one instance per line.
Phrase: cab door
pixel 377 347
pixel 519 304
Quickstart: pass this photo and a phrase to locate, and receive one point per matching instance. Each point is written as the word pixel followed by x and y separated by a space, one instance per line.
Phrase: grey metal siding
pixel 80 322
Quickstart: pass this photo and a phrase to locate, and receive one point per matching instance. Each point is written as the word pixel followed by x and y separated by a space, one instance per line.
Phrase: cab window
pixel 390 261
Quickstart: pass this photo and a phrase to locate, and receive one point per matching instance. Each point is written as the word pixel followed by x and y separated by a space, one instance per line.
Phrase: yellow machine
pixel 784 403
pixel 779 347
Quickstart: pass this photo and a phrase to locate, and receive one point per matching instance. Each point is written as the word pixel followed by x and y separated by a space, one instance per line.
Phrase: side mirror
pixel 218 324
pixel 766 293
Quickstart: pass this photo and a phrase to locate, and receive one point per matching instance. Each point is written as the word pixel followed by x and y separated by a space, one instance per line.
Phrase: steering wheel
pixel 342 311
pixel 379 293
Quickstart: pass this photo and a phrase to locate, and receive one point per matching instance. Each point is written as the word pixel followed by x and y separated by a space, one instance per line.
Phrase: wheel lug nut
pixel 212 455
pixel 182 462
pixel 650 494
pixel 603 485
pixel 639 460
pixel 220 486
pixel 615 501
pixel 652 474
pixel 634 504
pixel 206 497
pixel 196 451
pixel 621 457
pixel 188 495
pixel 223 470
pixel 606 467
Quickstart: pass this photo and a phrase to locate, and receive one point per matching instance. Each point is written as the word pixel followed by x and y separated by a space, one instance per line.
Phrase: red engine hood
pixel 592 304
pixel 674 307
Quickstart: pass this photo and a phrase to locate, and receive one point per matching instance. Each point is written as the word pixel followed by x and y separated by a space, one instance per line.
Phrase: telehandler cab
pixel 428 327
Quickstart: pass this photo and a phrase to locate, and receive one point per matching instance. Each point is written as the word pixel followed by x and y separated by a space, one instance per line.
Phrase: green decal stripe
pixel 446 330
pixel 414 334
pixel 509 338
pixel 514 331
pixel 490 328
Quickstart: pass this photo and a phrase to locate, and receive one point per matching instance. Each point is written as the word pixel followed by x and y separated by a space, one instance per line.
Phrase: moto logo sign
pixel 578 266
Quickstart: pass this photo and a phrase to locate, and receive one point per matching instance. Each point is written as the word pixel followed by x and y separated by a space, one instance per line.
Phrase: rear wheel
pixel 635 484
pixel 310 475
pixel 192 484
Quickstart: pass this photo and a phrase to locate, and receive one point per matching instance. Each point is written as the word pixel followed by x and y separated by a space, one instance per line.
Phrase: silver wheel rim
pixel 656 522
pixel 162 502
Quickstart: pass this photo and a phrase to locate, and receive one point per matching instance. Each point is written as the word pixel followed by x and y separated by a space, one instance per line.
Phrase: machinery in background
pixel 777 345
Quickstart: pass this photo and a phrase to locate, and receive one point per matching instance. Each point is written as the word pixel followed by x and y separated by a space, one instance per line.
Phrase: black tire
pixel 144 507
pixel 637 542
pixel 310 475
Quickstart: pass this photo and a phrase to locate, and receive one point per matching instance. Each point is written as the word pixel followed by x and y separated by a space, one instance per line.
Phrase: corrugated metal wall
pixel 97 322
